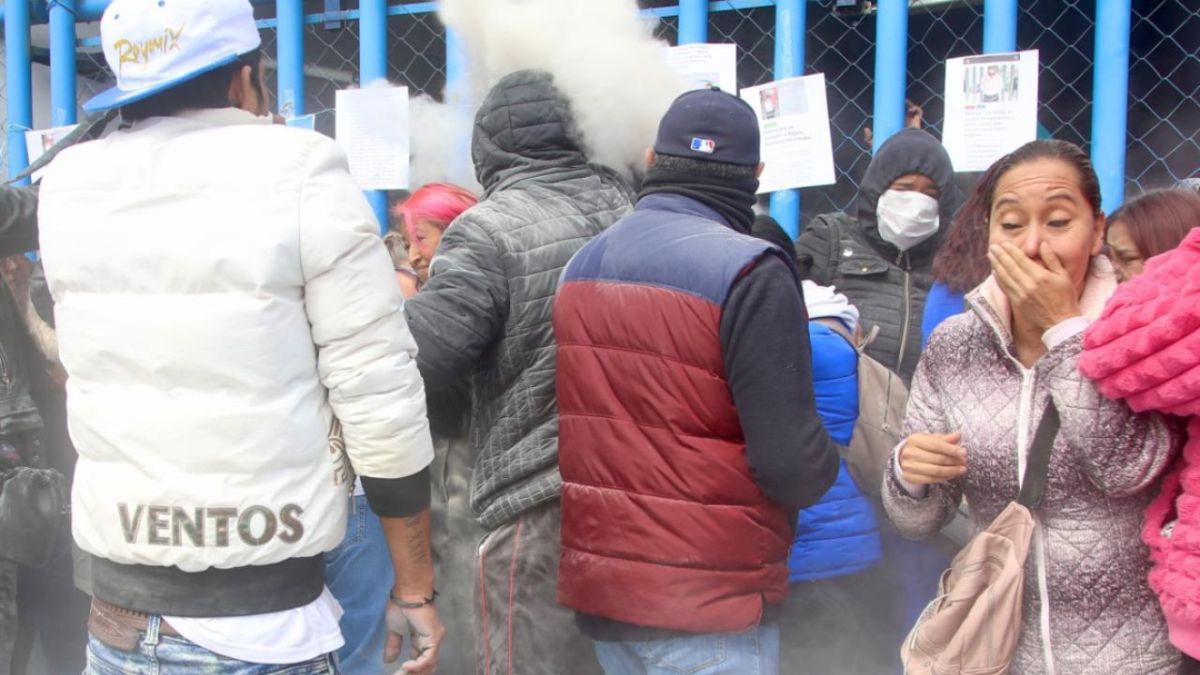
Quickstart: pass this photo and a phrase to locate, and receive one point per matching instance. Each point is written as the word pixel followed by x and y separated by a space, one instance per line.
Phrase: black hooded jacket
pixel 484 316
pixel 888 286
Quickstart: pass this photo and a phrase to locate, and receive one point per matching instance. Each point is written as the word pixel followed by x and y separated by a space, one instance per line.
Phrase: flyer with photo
pixel 39 141
pixel 991 107
pixel 793 118
pixel 706 65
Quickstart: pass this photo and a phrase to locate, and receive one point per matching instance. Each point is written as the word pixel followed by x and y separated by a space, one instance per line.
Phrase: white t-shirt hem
pixel 287 637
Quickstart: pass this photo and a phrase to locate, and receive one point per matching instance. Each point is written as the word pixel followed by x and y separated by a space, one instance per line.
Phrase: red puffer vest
pixel 663 525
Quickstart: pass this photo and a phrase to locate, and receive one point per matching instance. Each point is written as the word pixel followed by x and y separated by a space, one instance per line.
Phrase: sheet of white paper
pixel 303 122
pixel 793 118
pixel 38 141
pixel 991 107
pixel 706 65
pixel 372 126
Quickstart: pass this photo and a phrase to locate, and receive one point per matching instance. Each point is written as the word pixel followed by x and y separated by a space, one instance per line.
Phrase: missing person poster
pixel 991 107
pixel 706 65
pixel 371 125
pixel 793 118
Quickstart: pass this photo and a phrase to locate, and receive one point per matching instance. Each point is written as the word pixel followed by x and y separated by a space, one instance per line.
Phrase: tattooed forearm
pixel 408 538
pixel 416 537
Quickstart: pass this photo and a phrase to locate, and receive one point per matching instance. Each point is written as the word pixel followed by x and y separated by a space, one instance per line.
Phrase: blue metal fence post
pixel 63 103
pixel 791 23
pixel 693 21
pixel 19 83
pixel 1110 99
pixel 372 66
pixel 458 96
pixel 457 74
pixel 289 57
pixel 891 69
pixel 999 26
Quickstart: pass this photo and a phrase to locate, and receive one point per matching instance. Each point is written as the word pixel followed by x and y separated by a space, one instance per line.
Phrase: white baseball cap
pixel 153 45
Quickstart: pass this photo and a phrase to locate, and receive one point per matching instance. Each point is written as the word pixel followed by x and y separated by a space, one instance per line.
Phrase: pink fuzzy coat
pixel 1145 348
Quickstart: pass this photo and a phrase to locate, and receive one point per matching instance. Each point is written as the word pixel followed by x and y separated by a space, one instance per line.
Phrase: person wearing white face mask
pixel 883 258
pixel 907 217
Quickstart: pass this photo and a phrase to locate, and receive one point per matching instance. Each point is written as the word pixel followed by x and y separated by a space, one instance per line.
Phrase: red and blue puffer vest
pixel 663 525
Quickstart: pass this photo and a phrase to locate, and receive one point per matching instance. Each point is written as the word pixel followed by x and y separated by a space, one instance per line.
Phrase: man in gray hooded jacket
pixel 484 316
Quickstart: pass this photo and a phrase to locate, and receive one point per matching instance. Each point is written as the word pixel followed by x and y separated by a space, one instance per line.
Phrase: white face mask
pixel 906 218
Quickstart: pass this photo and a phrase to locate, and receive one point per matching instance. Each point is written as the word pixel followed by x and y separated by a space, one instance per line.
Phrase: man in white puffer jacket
pixel 222 297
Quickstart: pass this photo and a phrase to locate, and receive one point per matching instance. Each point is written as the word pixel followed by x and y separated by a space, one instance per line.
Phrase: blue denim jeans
pixel 360 575
pixel 166 655
pixel 752 652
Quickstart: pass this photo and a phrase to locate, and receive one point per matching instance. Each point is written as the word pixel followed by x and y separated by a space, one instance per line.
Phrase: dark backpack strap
pixel 89 130
pixel 835 242
pixel 1037 465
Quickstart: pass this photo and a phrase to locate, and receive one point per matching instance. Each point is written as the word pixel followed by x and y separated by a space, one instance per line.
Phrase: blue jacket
pixel 941 304
pixel 839 535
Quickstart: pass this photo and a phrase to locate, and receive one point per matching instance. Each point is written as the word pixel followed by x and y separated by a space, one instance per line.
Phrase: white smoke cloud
pixel 440 143
pixel 601 52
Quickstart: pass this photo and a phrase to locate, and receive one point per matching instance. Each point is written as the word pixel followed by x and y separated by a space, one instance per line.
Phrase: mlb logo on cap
pixel 705 145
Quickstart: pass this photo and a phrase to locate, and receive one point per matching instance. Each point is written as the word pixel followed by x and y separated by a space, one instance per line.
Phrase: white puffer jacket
pixel 221 295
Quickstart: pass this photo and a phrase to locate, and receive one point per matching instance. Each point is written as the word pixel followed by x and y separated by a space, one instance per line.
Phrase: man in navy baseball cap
pixel 708 149
pixel 710 125
pixel 688 432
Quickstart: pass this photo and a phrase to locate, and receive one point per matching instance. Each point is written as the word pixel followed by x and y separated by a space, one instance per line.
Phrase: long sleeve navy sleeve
pixel 768 362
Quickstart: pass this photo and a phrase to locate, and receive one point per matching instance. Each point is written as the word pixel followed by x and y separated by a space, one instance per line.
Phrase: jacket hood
pixel 824 302
pixel 524 127
pixel 909 151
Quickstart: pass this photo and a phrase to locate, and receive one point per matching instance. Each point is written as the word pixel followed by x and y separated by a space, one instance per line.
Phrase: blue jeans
pixel 752 652
pixel 360 575
pixel 165 655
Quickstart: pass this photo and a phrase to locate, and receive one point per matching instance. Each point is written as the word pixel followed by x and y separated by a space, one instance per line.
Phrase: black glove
pixel 33 503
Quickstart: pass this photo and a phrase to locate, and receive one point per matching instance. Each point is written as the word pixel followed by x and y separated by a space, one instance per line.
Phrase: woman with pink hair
pixel 423 217
pixel 417 225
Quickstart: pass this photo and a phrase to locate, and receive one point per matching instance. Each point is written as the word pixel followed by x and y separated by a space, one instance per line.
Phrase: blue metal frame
pixel 891 70
pixel 458 93
pixel 693 21
pixel 18 71
pixel 373 66
pixel 999 26
pixel 63 103
pixel 1110 99
pixel 791 26
pixel 289 59
pixel 1110 88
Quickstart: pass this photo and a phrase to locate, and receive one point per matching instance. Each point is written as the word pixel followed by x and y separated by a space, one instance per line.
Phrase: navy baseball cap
pixel 712 126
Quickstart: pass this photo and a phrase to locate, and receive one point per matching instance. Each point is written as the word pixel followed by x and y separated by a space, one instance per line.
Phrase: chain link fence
pixel 1164 94
pixel 1164 85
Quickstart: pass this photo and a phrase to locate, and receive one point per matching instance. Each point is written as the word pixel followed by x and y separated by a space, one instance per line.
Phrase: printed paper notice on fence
pixel 705 65
pixel 372 127
pixel 303 122
pixel 991 107
pixel 39 141
pixel 793 118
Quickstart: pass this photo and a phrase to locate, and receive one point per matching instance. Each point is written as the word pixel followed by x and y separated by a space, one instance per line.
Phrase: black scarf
pixel 732 198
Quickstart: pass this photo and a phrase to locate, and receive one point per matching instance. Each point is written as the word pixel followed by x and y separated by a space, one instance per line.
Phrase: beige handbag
pixel 973 624
pixel 882 398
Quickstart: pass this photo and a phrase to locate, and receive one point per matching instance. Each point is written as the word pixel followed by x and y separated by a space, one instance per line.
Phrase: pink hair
pixel 435 203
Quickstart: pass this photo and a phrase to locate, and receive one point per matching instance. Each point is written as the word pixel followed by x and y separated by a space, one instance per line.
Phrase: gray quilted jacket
pixel 1101 616
pixel 485 313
